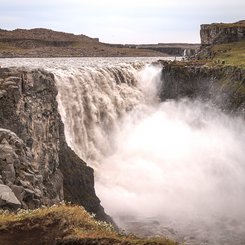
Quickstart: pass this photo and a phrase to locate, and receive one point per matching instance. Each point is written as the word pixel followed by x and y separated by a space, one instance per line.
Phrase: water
pixel 69 63
pixel 162 168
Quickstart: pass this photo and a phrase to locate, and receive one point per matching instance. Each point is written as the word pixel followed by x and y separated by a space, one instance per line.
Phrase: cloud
pixel 154 21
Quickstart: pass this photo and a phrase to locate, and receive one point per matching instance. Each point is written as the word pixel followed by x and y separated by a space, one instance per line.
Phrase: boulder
pixel 8 198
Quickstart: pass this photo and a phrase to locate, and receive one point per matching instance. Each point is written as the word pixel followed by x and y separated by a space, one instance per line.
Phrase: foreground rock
pixel 35 160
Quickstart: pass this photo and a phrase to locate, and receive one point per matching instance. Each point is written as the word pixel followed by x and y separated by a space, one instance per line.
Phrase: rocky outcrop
pixel 222 85
pixel 29 109
pixel 18 172
pixel 219 33
pixel 35 160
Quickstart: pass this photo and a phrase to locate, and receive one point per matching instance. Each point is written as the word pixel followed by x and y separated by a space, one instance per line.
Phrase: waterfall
pixel 92 100
pixel 172 168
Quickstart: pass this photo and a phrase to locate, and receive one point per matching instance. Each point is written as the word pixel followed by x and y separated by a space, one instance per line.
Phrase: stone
pixel 32 140
pixel 8 198
pixel 9 174
pixel 3 93
pixel 218 33
pixel 25 184
pixel 1 179
pixel 10 168
pixel 28 177
pixel 18 191
pixel 204 83
pixel 12 78
pixel 9 82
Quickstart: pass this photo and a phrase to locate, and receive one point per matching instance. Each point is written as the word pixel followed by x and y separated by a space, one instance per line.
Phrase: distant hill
pixel 42 42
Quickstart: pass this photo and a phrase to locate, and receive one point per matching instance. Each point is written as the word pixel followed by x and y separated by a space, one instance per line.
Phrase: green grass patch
pixel 232 54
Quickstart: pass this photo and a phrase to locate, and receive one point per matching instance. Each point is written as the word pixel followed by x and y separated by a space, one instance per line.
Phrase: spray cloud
pixel 179 163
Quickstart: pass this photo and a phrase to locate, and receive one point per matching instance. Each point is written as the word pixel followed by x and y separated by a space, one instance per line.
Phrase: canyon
pixel 53 116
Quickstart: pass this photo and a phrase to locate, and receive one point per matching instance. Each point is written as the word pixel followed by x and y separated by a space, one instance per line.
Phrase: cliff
pixel 171 49
pixel 219 33
pixel 37 167
pixel 221 85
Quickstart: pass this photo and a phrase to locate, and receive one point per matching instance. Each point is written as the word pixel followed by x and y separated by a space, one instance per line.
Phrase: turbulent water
pixel 174 168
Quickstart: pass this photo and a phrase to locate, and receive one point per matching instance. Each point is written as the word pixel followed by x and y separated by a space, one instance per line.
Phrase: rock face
pixel 35 160
pixel 222 33
pixel 28 108
pixel 224 86
pixel 18 172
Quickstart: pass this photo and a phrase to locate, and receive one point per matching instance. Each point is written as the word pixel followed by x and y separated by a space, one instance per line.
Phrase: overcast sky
pixel 122 21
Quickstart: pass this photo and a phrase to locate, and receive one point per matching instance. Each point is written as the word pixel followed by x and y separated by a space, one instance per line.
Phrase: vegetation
pixel 227 25
pixel 232 54
pixel 47 43
pixel 63 224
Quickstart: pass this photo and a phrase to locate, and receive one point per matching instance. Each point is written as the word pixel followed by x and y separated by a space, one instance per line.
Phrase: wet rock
pixel 221 85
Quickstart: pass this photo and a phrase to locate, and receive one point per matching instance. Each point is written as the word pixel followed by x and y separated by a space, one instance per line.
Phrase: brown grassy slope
pixel 63 224
pixel 47 43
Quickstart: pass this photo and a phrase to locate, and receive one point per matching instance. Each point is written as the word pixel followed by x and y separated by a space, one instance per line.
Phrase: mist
pixel 174 168
pixel 175 161
pixel 178 158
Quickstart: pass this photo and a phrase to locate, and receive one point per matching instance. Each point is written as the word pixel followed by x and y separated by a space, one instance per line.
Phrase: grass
pixel 63 224
pixel 227 25
pixel 232 54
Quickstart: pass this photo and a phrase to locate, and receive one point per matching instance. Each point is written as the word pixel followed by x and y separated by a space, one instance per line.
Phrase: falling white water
pixel 91 100
pixel 170 168
pixel 174 168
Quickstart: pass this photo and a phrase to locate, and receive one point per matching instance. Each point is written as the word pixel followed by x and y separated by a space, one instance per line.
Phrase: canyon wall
pixel 219 33
pixel 37 167
pixel 221 85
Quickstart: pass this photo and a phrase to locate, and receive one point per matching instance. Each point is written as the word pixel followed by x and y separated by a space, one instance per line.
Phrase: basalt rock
pixel 219 33
pixel 35 161
pixel 221 85
pixel 8 198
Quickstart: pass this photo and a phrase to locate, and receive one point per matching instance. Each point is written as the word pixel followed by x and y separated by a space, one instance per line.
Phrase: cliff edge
pixel 37 167
pixel 218 33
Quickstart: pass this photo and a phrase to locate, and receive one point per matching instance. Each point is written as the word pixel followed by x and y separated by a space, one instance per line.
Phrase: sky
pixel 122 21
